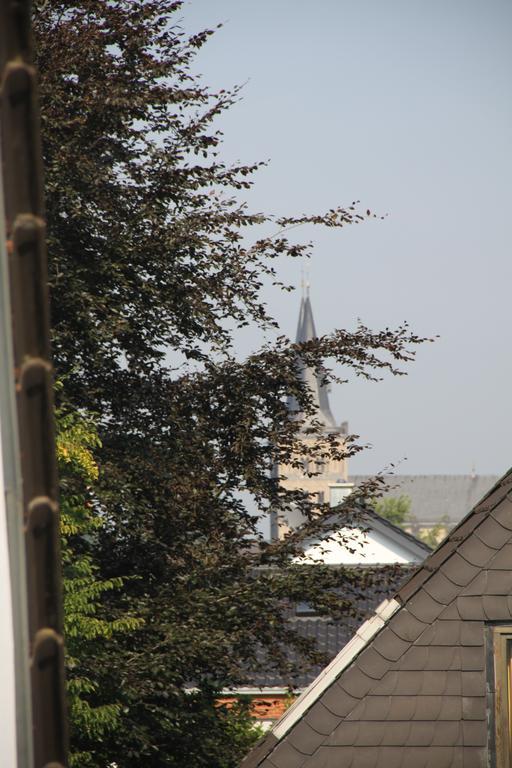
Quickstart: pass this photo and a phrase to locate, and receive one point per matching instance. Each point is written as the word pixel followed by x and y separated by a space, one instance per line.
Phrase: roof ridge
pixel 369 630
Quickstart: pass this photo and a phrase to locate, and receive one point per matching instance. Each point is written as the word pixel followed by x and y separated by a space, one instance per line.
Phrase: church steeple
pixel 306 331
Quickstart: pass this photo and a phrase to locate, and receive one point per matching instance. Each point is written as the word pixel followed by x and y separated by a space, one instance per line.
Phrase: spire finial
pixel 304 282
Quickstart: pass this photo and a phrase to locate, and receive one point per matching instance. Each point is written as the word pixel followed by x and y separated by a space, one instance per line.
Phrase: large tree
pixel 151 260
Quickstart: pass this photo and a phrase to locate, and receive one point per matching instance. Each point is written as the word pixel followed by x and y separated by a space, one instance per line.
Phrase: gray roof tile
pixel 322 719
pixel 474 758
pixel 338 701
pixel 502 560
pixel 389 645
pixel 475 551
pixel 415 696
pixel 373 663
pixel 474 733
pixel 450 613
pixel 433 496
pixel 470 607
pixel 441 588
pixel 498 583
pixel 459 571
pixel 493 533
pixel 474 708
pixel 346 734
pixel 473 682
pixel 368 736
pixel 305 738
pixel 287 756
pixel 356 683
pixel 497 607
pixel 424 607
pixel 447 734
pixel 471 633
pixel 420 734
pixel 503 514
pixel 407 626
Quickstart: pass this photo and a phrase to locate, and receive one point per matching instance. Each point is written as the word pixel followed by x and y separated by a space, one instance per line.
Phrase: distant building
pixel 437 501
pixel 427 680
pixel 327 474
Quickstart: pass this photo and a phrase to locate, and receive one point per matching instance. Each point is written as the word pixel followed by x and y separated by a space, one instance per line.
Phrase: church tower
pixel 329 484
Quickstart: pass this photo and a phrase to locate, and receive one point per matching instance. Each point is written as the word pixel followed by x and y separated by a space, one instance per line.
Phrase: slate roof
pixel 433 496
pixel 330 637
pixel 411 687
pixel 306 331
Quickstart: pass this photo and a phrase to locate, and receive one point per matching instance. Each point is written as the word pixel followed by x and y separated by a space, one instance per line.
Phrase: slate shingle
pixel 321 719
pixel 458 570
pixel 441 588
pixel 305 739
pixel 415 697
pixel 424 607
pixel 492 533
pixel 407 626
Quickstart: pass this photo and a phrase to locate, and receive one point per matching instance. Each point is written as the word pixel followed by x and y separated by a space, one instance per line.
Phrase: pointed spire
pixel 306 331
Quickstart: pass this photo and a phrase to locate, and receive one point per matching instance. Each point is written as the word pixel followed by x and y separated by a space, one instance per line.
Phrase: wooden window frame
pixel 502 652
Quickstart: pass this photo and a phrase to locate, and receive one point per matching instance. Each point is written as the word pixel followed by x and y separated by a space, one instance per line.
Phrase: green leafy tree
pixel 396 509
pixel 87 628
pixel 153 256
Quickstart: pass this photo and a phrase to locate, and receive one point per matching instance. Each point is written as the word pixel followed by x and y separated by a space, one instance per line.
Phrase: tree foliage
pixel 93 713
pixel 396 509
pixel 155 257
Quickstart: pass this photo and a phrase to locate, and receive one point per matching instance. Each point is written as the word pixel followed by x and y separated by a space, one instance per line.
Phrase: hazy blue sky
pixel 405 105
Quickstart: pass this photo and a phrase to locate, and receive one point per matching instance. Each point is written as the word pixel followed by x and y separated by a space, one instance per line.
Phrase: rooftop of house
pixel 416 683
pixel 435 496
